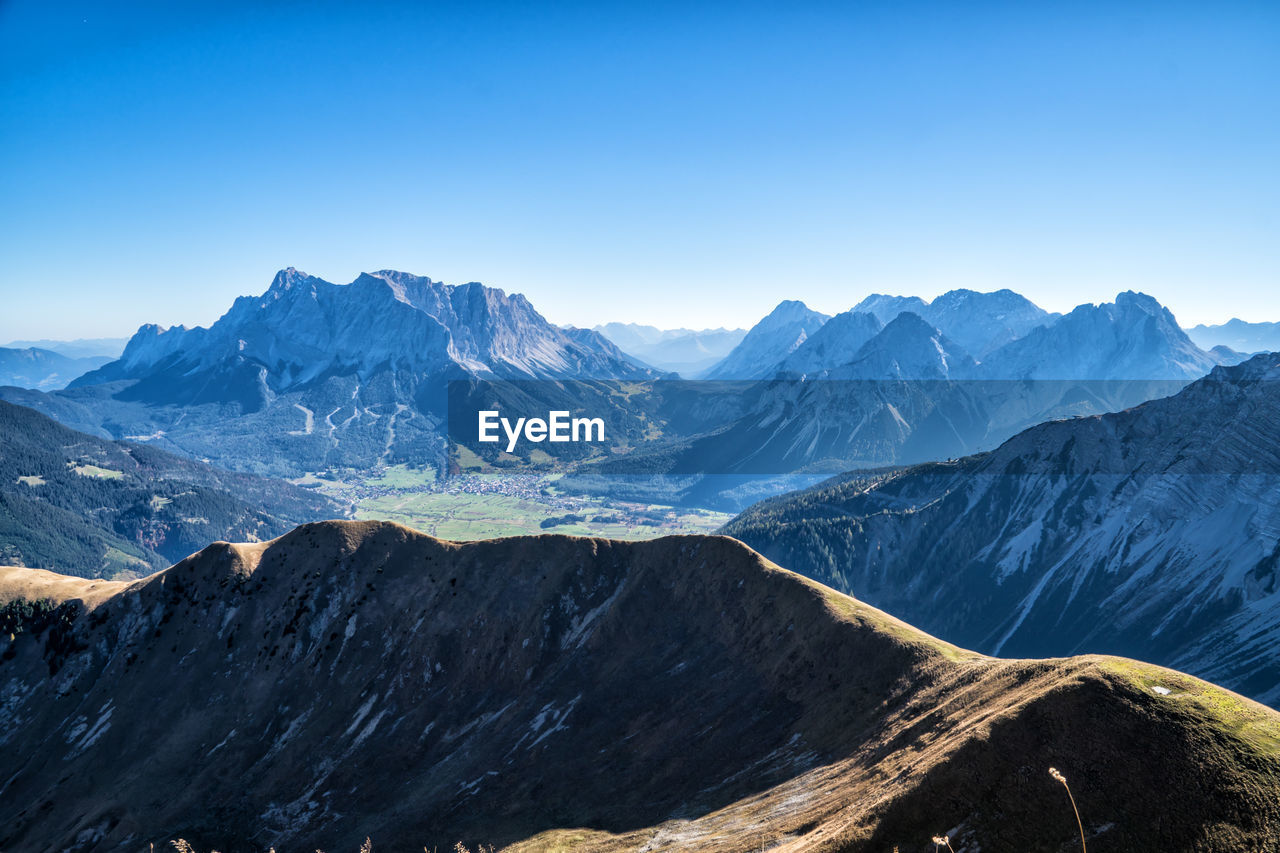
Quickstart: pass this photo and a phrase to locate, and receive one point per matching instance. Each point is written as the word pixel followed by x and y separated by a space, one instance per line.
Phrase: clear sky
pixel 681 164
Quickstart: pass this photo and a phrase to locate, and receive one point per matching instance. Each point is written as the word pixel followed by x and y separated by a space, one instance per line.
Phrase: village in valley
pixel 501 505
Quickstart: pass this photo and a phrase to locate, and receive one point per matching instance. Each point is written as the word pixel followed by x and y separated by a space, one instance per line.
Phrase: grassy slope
pixel 900 735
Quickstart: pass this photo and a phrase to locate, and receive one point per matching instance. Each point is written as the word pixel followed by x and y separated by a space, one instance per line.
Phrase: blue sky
pixel 667 163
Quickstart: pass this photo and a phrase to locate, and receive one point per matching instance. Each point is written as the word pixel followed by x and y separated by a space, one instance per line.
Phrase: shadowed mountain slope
pixel 552 693
pixel 1152 532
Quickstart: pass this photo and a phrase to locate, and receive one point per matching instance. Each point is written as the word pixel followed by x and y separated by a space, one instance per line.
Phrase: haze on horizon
pixel 646 163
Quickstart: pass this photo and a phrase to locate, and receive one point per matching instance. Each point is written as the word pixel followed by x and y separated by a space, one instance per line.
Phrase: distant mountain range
pixel 853 394
pixel 684 351
pixel 1238 335
pixel 354 680
pixel 43 369
pixel 312 374
pixel 1153 531
pixel 91 507
pixel 108 348
pixel 998 335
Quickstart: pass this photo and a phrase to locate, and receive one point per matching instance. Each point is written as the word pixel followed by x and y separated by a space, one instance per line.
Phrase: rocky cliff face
pixel 1153 532
pixel 359 679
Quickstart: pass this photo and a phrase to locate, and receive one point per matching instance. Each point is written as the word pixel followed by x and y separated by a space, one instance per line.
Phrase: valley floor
pixel 487 506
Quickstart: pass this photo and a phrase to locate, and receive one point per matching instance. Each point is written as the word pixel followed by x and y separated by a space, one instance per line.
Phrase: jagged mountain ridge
pixel 908 347
pixel 304 328
pixel 360 679
pixel 109 348
pixel 911 394
pixel 1132 338
pixel 1153 532
pixel 977 322
pixel 907 395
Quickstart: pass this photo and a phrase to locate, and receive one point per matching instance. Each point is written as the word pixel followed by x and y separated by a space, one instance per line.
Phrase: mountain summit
pixel 1134 337
pixel 304 329
pixel 310 375
pixel 768 342
pixel 908 348
pixel 836 343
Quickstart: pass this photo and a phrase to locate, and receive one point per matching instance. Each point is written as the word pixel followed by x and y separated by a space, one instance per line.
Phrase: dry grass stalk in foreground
pixel 939 840
pixel 1063 779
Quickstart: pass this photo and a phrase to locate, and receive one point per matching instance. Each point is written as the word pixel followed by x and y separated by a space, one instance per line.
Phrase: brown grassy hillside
pixel 554 693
